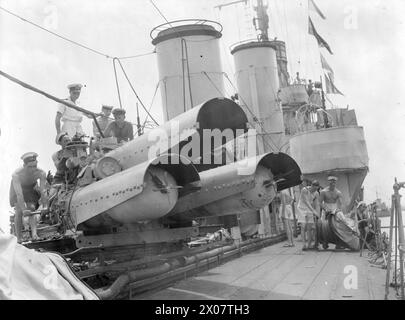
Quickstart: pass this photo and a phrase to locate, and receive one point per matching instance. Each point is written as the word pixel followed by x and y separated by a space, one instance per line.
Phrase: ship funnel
pixel 189 62
pixel 258 84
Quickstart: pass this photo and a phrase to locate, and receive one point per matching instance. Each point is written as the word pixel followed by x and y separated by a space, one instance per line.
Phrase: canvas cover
pixel 26 274
pixel 345 230
pixel 339 230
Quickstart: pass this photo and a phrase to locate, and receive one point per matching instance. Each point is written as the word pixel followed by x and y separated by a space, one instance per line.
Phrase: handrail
pixel 178 23
pixel 401 242
pixel 309 106
pixel 397 224
pixel 234 45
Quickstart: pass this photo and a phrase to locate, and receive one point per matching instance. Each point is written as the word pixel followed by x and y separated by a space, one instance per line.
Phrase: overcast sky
pixel 367 38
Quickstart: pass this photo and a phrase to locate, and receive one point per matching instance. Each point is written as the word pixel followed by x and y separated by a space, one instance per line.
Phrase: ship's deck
pixel 276 272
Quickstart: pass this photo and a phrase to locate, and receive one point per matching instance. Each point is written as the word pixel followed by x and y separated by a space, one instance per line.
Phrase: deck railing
pixel 396 218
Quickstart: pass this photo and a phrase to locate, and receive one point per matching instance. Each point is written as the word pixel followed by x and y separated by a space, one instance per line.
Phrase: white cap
pixel 332 178
pixel 29 157
pixel 74 86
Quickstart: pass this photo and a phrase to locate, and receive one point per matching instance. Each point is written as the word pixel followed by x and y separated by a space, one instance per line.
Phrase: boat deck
pixel 277 272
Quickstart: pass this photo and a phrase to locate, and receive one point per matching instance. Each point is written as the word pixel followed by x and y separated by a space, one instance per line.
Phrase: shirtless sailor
pixel 330 198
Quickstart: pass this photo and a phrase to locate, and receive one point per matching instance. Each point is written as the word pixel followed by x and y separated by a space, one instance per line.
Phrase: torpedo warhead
pixel 241 187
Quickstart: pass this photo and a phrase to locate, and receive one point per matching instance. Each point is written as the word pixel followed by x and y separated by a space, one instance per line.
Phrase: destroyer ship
pixel 132 223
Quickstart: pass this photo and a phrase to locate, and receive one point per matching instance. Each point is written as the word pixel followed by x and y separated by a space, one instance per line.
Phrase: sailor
pixel 362 219
pixel 286 215
pixel 66 170
pixel 315 186
pixel 26 195
pixel 70 117
pixel 297 79
pixel 331 198
pixel 300 215
pixel 308 206
pixel 310 88
pixel 103 120
pixel 119 128
pixel 61 156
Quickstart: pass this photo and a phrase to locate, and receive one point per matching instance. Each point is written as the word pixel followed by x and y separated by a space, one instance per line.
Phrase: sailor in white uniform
pixel 71 119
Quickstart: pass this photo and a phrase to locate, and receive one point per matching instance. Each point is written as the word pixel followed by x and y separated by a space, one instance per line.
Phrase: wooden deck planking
pixel 261 280
pixel 276 272
pixel 329 279
pixel 303 275
pixel 228 281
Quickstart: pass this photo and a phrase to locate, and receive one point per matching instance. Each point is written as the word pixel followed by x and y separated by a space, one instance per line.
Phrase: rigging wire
pixel 188 72
pixel 305 37
pixel 108 56
pixel 213 83
pixel 167 111
pixel 91 50
pixel 160 12
pixel 225 53
pixel 300 46
pixel 313 61
pixel 137 55
pixel 57 35
pixel 278 15
pixel 134 91
pixel 116 83
pixel 288 36
pixel 151 104
pixel 330 101
pixel 96 52
pixel 183 78
pixel 250 30
pixel 237 23
pixel 215 86
pixel 272 23
pixel 49 96
pixel 255 119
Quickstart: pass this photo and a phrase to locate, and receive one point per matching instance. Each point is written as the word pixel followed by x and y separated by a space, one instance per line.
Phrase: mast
pixel 261 22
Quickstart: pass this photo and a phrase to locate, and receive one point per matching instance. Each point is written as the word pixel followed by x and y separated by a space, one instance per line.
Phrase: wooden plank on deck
pixel 277 272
